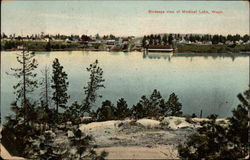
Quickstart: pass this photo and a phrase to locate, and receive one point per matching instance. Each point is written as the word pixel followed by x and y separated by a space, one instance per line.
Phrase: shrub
pixel 214 141
pixel 106 112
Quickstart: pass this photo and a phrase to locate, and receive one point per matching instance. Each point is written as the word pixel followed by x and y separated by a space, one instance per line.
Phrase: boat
pixel 159 48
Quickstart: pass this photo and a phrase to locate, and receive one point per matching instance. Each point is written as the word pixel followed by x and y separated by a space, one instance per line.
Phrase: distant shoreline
pixel 178 52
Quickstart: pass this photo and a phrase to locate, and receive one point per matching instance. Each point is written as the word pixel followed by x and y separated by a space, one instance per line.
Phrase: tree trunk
pixel 46 88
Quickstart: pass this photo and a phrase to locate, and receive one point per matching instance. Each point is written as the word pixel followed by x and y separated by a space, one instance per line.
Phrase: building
pixel 160 48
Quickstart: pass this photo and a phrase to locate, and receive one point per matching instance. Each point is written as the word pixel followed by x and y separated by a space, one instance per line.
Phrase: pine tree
pixel 45 87
pixel 122 111
pixel 95 83
pixel 208 143
pixel 216 142
pixel 84 150
pixel 240 125
pixel 106 112
pixel 60 85
pixel 165 39
pixel 26 75
pixel 144 41
pixel 152 108
pixel 74 112
pixel 174 105
pixel 170 39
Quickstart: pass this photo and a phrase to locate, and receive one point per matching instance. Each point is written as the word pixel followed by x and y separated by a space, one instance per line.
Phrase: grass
pixel 177 122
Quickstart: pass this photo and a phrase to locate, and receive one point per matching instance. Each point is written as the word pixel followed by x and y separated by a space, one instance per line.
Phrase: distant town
pixel 154 42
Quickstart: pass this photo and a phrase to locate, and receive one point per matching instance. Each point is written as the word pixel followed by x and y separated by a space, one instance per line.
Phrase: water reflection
pixel 156 55
pixel 168 56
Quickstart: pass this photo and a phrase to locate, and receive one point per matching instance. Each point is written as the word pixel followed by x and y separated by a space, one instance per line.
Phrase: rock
pixel 51 133
pixel 70 134
pixel 149 123
pixel 176 123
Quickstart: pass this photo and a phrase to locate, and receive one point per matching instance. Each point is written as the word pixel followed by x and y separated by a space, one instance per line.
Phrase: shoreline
pixel 247 53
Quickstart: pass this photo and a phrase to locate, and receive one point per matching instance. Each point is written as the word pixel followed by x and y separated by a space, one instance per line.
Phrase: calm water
pixel 207 83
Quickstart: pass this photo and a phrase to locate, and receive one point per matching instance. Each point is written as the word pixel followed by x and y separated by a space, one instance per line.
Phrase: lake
pixel 201 82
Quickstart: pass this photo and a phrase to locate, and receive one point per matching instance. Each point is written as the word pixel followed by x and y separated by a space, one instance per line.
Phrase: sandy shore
pixel 142 139
pixel 137 152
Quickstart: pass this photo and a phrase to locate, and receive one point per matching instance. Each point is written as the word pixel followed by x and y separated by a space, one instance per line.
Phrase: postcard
pixel 124 80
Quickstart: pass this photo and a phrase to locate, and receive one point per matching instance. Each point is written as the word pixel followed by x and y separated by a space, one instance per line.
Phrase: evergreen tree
pixel 209 143
pixel 155 40
pixel 19 129
pixel 216 142
pixel 174 105
pixel 45 86
pixel 84 149
pixel 95 82
pixel 97 36
pixel 158 40
pixel 106 112
pixel 148 107
pixel 239 126
pixel 165 110
pixel 144 41
pixel 151 39
pixel 170 39
pixel 25 75
pixel 246 38
pixel 222 39
pixel 192 38
pixel 122 111
pixel 152 108
pixel 138 111
pixel 165 39
pixel 229 37
pixel 60 85
pixel 73 113
pixel 236 37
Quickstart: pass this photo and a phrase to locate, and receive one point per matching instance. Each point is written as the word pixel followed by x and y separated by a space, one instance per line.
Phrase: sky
pixel 123 18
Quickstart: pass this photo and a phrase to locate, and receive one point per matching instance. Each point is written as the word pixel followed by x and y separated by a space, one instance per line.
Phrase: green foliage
pixel 122 111
pixel 239 125
pixel 165 39
pixel 82 147
pixel 73 113
pixel 152 108
pixel 106 112
pixel 170 39
pixel 16 131
pixel 147 107
pixel 95 83
pixel 209 143
pixel 174 105
pixel 155 106
pixel 25 75
pixel 177 122
pixel 215 48
pixel 43 147
pixel 216 142
pixel 48 46
pixel 7 45
pixel 60 85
